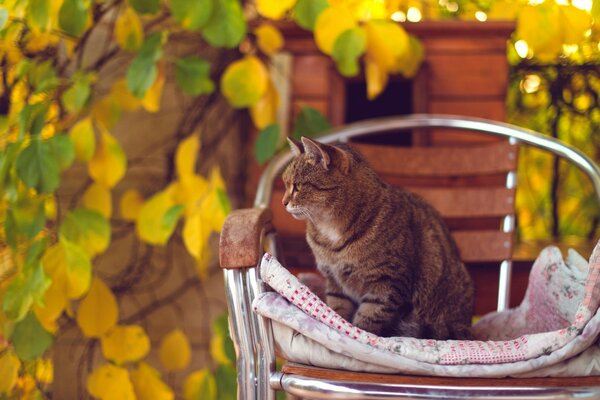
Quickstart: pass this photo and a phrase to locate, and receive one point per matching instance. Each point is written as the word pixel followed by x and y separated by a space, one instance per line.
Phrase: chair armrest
pixel 240 244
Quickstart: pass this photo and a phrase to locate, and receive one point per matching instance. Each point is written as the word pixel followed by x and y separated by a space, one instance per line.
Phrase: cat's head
pixel 317 177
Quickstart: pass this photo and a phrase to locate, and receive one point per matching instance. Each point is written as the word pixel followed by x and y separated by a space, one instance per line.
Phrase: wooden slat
pixel 441 162
pixel 470 202
pixel 483 246
pixel 338 375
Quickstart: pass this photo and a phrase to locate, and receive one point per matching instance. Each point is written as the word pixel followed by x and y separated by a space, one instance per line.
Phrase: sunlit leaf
pixel 175 351
pixel 200 385
pixel 9 369
pixel 274 9
pixel 269 39
pixel 330 24
pixel 306 12
pixel 109 162
pixel 310 122
pixel 97 197
pixel 186 155
pixel 37 166
pixel 545 43
pixel 377 78
pixel 196 231
pixel 82 136
pixel 30 340
pixel 191 15
pixel 145 6
pixel 109 382
pixel 387 45
pixel 151 100
pixel 127 343
pixel 55 301
pixel 131 204
pixel 575 23
pixel 411 65
pixel 87 229
pixel 192 75
pixel 129 32
pixel 348 47
pixel 76 97
pixel 244 82
pixel 214 209
pixel 190 190
pixel 98 311
pixel 23 291
pixel 266 143
pixel 3 17
pixel 226 26
pixel 158 218
pixel 264 111
pixel 148 385
pixel 72 16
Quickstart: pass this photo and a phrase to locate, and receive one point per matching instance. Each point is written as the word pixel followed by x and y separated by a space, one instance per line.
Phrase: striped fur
pixel 391 265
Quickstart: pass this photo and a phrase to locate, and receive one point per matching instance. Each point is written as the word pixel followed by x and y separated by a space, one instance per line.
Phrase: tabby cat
pixel 391 265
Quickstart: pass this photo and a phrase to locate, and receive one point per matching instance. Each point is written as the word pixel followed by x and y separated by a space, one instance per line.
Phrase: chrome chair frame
pixel 252 334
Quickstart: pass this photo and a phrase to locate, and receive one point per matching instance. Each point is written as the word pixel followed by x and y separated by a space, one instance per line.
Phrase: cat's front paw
pixel 342 306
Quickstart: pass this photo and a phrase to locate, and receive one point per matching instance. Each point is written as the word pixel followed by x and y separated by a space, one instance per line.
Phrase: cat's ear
pixel 343 159
pixel 295 146
pixel 317 151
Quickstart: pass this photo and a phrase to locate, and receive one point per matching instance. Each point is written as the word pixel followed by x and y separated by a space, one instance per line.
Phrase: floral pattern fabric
pixel 557 320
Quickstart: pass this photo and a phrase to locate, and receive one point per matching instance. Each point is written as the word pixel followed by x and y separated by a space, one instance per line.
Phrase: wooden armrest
pixel 239 246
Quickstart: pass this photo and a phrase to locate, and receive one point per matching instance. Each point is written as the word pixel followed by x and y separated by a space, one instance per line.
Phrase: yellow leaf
pixel 330 24
pixel 575 23
pixel 387 45
pixel 196 232
pixel 9 369
pixel 244 82
pixel 190 190
pixel 107 111
pixel 109 163
pixel 98 197
pixel 148 385
pixel 186 155
pixel 158 217
pixel 82 136
pixel 55 301
pixel 545 43
pixel 126 100
pixel 98 311
pixel 175 351
pixel 69 267
pixel 131 204
pixel 377 78
pixel 108 382
pixel 412 63
pixel 200 385
pixel 39 41
pixel 123 344
pixel 264 112
pixel 274 9
pixel 217 350
pixel 151 100
pixel 129 32
pixel 213 210
pixel 216 179
pixel 50 207
pixel 44 371
pixel 269 39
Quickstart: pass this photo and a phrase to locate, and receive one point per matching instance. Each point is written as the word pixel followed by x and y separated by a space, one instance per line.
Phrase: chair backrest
pixel 473 187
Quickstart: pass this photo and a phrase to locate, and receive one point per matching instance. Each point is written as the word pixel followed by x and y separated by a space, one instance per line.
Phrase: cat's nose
pixel 285 202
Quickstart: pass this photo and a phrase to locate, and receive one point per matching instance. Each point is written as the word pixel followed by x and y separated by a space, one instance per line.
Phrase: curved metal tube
pixel 367 127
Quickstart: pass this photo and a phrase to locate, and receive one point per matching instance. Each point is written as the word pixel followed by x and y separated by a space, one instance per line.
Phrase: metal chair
pixel 247 233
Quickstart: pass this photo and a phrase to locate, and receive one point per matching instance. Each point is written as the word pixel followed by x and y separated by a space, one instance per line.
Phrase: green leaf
pixel 3 17
pixel 28 217
pixel 37 166
pixel 145 6
pixel 220 327
pixel 226 26
pixel 7 159
pixel 32 119
pixel 43 77
pixel 192 14
pixel 87 229
pixel 226 377
pixel 35 252
pixel 63 150
pixel 72 16
pixel 76 97
pixel 30 339
pixel 24 290
pixel 171 217
pixel 306 12
pixel 38 13
pixel 192 75
pixel 266 143
pixel 310 122
pixel 348 47
pixel 142 71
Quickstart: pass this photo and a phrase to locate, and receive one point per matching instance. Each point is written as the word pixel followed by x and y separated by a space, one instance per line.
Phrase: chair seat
pixel 319 383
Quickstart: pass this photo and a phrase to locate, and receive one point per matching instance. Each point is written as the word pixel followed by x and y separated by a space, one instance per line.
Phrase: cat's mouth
pixel 297 214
